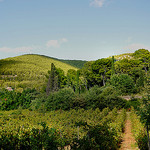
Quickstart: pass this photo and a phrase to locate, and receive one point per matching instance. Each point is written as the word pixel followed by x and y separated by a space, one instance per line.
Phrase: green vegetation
pixel 24 129
pixel 75 63
pixel 10 100
pixel 28 71
pixel 80 108
pixel 139 131
pixel 124 83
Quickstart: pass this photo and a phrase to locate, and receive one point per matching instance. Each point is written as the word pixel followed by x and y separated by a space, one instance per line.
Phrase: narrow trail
pixel 128 142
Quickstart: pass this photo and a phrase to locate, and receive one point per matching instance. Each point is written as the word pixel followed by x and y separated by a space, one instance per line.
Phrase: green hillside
pixel 28 70
pixel 75 63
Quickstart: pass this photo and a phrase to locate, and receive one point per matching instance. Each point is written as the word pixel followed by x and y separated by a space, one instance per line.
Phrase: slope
pixel 28 70
pixel 75 63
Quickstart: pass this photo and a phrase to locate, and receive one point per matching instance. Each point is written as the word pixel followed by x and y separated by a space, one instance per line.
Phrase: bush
pixel 66 99
pixel 63 99
pixel 33 139
pixel 134 102
pixel 104 97
pixel 104 136
pixel 10 100
pixel 98 137
pixel 139 131
pixel 124 83
pixel 91 97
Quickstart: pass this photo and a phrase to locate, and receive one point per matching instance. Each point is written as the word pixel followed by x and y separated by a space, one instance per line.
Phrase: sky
pixel 73 29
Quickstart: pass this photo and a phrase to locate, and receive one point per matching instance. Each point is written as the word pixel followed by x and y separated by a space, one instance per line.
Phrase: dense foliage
pixel 12 100
pixel 77 128
pixel 139 131
pixel 75 63
pixel 67 99
pixel 124 83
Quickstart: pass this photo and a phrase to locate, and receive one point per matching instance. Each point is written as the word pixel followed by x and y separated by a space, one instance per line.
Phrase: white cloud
pixel 1 0
pixel 135 46
pixel 56 43
pixel 53 43
pixel 97 3
pixel 17 49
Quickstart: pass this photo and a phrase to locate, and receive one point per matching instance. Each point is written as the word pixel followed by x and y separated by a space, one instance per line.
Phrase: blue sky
pixel 73 29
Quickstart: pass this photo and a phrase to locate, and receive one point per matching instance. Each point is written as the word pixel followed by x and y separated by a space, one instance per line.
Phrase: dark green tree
pixel 123 82
pixel 51 80
pixel 101 69
pixel 140 81
pixel 126 66
pixel 71 78
pixel 144 56
pixel 77 83
pixel 56 79
pixel 87 75
pixel 113 67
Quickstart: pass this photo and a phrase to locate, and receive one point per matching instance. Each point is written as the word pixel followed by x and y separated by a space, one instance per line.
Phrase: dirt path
pixel 128 142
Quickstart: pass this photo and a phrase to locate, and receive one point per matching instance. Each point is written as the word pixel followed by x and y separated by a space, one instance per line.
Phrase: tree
pixel 140 81
pixel 56 79
pixel 113 67
pixel 87 74
pixel 77 82
pixel 51 80
pixel 123 82
pixel 71 78
pixel 101 69
pixel 126 66
pixel 144 56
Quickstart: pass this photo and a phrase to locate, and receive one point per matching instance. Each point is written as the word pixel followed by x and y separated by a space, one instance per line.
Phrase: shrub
pixel 10 100
pixel 63 99
pixel 124 83
pixel 104 97
pixel 31 139
pixel 139 131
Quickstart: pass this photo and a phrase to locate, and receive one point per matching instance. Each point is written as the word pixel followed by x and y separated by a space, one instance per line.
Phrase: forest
pixel 56 104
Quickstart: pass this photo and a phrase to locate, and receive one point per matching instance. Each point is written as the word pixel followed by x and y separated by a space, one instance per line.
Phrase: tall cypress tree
pixel 52 84
pixel 113 67
pixel 77 83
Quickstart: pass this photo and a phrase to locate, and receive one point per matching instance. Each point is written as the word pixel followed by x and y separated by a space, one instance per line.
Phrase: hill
pixel 28 70
pixel 75 63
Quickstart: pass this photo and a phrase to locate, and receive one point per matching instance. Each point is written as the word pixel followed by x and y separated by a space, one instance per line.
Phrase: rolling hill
pixel 75 63
pixel 28 70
